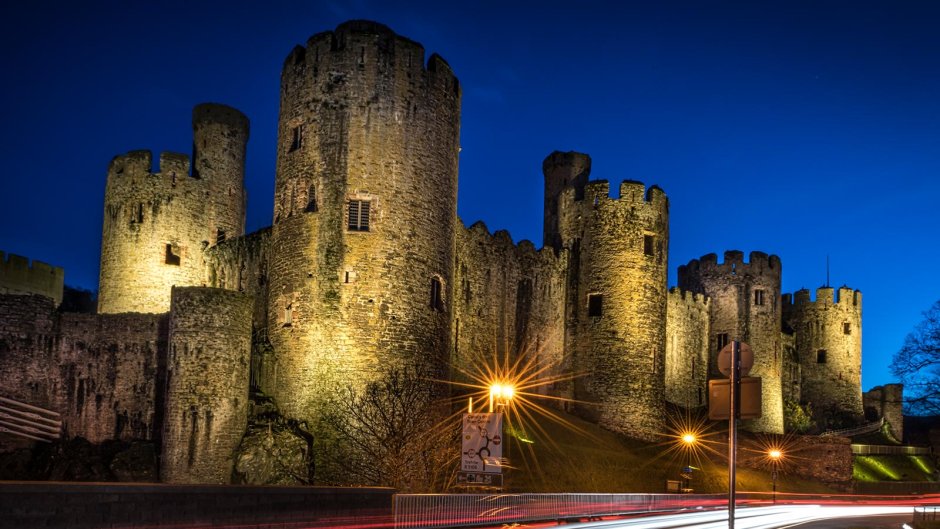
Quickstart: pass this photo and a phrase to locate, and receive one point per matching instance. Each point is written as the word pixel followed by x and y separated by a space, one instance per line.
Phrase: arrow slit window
pixel 595 305
pixel 722 340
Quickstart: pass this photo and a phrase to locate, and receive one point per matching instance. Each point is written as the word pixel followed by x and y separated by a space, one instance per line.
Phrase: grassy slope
pixel 586 458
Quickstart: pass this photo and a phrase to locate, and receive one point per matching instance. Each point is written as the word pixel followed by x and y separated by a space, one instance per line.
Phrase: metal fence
pixel 858 430
pixel 429 511
pixel 892 450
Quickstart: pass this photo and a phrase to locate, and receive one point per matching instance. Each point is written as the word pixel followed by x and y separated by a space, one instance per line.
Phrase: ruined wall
pixel 828 336
pixel 616 303
pixel 241 264
pixel 886 401
pixel 207 384
pixel 687 348
pixel 157 224
pixel 17 276
pixel 364 213
pixel 745 306
pixel 102 373
pixel 508 308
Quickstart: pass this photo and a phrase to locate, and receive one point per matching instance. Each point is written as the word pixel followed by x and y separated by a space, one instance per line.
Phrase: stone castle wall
pixel 19 276
pixel 365 125
pixel 687 316
pixel 886 401
pixel 157 223
pixel 103 374
pixel 616 302
pixel 745 300
pixel 207 384
pixel 828 337
pixel 508 308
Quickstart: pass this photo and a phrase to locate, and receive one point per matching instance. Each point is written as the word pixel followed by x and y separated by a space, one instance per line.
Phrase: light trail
pixel 778 517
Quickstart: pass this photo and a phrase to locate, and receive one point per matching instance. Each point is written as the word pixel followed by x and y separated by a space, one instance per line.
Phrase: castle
pixel 367 267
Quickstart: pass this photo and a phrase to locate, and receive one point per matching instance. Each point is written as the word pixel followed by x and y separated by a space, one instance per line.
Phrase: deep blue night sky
pixel 803 129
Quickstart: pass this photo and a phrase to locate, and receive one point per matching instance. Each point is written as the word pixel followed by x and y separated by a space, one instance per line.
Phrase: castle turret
pixel 365 213
pixel 207 384
pixel 745 306
pixel 561 170
pixel 157 223
pixel 828 335
pixel 220 140
pixel 616 306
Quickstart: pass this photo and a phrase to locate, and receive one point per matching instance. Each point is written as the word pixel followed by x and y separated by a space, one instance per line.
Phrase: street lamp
pixel 774 454
pixel 689 439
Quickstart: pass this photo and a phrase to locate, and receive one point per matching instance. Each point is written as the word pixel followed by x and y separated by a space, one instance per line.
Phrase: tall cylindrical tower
pixel 828 335
pixel 364 215
pixel 616 316
pixel 206 407
pixel 220 140
pixel 745 306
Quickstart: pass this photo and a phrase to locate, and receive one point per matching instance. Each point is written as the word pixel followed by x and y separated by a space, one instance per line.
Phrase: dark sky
pixel 803 129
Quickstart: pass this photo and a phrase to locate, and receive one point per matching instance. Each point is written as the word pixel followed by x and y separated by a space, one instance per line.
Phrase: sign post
pixel 481 450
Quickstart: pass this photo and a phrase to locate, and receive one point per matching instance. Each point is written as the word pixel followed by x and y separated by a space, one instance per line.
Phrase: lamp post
pixel 774 454
pixel 689 439
pixel 502 393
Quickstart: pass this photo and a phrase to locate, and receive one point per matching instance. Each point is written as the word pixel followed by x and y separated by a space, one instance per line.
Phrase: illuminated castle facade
pixel 367 267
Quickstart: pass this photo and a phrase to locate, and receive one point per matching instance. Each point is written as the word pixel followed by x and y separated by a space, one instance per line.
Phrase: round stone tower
pixel 616 306
pixel 745 306
pixel 220 140
pixel 157 223
pixel 206 385
pixel 364 216
pixel 561 169
pixel 828 335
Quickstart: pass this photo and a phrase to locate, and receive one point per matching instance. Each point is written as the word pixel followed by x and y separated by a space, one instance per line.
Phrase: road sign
pixel 480 479
pixel 724 359
pixel 482 446
pixel 719 399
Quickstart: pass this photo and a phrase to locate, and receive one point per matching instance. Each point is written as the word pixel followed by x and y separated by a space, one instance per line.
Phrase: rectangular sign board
pixel 480 479
pixel 482 443
pixel 719 398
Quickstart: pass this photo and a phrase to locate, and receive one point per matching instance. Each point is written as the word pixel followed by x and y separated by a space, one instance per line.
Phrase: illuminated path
pixel 781 516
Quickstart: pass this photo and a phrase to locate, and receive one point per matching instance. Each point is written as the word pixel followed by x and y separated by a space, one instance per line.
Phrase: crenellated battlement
pixel 524 249
pixel 758 263
pixel 825 296
pixel 20 276
pixel 367 45
pixel 689 298
pixel 140 163
pixel 596 195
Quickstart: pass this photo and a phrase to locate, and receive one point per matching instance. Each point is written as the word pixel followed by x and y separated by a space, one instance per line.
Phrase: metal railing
pixel 926 514
pixel 429 511
pixel 893 450
pixel 858 430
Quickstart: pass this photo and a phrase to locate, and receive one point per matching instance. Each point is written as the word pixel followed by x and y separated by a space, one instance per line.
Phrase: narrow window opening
pixel 846 328
pixel 171 257
pixel 288 314
pixel 821 356
pixel 595 305
pixel 358 218
pixel 139 213
pixel 311 200
pixel 758 297
pixel 722 340
pixel 297 138
pixel 346 278
pixel 219 236
pixel 648 244
pixel 437 298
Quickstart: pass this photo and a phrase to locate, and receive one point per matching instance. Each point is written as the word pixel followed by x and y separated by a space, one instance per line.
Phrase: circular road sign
pixel 724 359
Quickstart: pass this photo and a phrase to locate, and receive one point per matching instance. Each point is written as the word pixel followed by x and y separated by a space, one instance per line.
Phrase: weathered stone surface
pixel 136 464
pixel 19 276
pixel 687 348
pixel 274 452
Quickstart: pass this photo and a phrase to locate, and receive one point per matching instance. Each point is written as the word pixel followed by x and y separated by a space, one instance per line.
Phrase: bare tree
pixel 917 364
pixel 394 432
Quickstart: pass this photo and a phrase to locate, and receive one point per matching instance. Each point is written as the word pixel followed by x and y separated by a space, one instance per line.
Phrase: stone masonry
pixel 366 267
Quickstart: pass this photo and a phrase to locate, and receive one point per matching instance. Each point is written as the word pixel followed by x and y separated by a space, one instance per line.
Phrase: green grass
pixel 893 468
pixel 586 458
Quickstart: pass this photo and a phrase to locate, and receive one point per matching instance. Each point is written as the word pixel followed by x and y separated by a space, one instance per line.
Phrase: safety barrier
pixel 428 511
pixel 858 430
